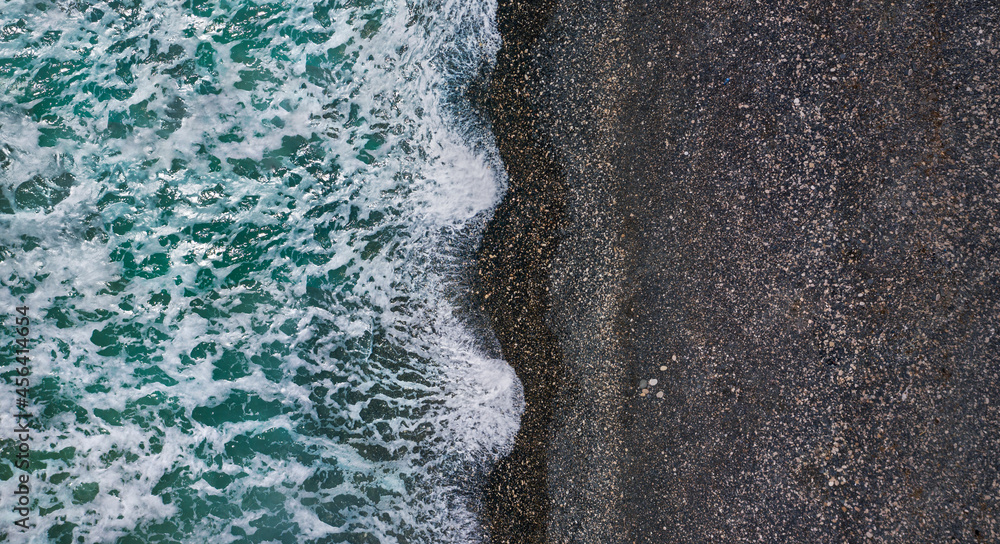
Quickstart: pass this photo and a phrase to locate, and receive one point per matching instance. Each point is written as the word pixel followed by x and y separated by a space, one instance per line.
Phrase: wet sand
pixel 788 216
pixel 514 261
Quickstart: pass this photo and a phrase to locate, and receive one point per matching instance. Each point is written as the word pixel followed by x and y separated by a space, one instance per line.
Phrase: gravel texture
pixel 788 215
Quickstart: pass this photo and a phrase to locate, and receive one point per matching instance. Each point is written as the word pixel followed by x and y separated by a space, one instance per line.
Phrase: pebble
pixel 653 381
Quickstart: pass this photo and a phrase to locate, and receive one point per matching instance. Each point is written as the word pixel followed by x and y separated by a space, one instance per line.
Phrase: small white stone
pixel 653 381
pixel 659 394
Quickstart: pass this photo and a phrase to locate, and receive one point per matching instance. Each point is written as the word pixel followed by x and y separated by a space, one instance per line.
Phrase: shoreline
pixel 512 264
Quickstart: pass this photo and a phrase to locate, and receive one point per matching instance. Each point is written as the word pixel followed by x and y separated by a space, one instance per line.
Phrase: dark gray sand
pixel 514 264
pixel 787 214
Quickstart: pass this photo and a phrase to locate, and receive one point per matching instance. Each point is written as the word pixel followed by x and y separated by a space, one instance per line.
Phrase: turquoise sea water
pixel 239 229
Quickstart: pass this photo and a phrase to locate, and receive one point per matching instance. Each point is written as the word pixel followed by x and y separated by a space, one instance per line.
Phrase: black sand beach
pixel 787 214
pixel 514 264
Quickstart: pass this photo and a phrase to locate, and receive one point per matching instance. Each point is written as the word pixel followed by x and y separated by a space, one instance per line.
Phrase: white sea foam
pixel 350 314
